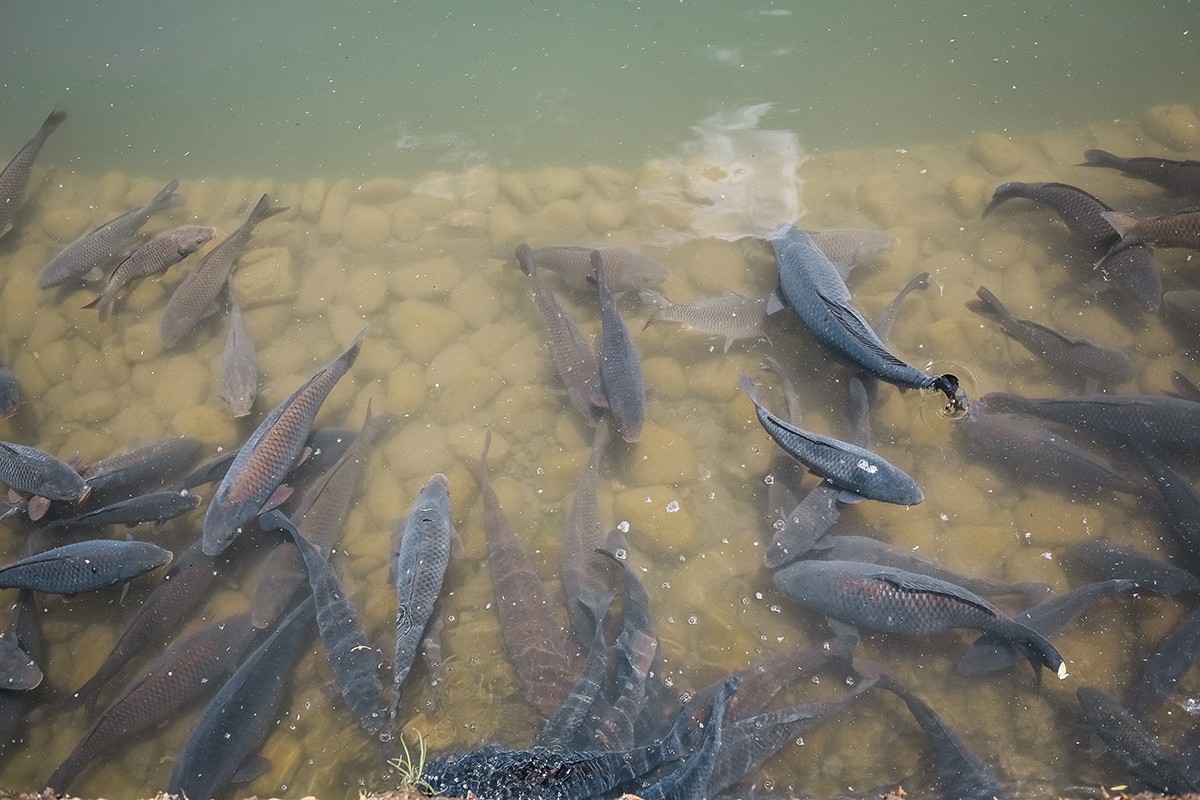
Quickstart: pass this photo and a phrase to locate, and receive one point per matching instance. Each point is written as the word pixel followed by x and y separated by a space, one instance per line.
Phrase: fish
pixel 1104 560
pixel 239 364
pixel 18 672
pixel 14 178
pixel 156 507
pixel 419 559
pixel 320 516
pixel 810 286
pixel 1177 229
pixel 805 525
pixel 1181 310
pixel 729 315
pixel 1031 455
pixel 531 626
pixel 182 590
pixel 627 270
pixel 323 448
pixel 1165 663
pixel 1063 354
pixel 10 392
pixel 1082 212
pixel 897 601
pixel 570 352
pixel 852 246
pixel 689 781
pixel 157 255
pixel 84 257
pixel 957 773
pixel 572 723
pixel 191 669
pixel 621 378
pixel 1049 617
pixel 548 773
pixel 83 566
pixel 1129 740
pixel 264 460
pixel 1178 178
pixel 35 472
pixel 196 296
pixel 1134 273
pixel 355 663
pixel 583 569
pixel 21 629
pixel 240 717
pixel 1180 506
pixel 1149 421
pixel 858 472
pixel 140 469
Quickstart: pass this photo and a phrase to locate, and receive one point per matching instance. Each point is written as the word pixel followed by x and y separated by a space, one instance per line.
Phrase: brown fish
pixel 272 450
pixel 1180 229
pixel 154 257
pixel 14 179
pixel 196 297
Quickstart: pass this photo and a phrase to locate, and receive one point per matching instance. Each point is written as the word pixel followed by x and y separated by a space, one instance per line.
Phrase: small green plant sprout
pixel 410 770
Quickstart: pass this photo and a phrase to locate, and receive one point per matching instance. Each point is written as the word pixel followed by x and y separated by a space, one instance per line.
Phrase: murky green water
pixel 577 124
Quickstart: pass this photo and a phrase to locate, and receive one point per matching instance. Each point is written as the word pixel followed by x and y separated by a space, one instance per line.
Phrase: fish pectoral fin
pixel 775 303
pixel 278 497
pixel 250 769
pixel 94 274
pixel 849 498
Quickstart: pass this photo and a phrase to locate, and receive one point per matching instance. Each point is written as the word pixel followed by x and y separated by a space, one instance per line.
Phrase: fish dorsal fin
pixel 913 582
pixel 857 326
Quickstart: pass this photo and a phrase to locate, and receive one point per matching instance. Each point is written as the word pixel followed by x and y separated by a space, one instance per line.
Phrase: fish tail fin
pixel 103 304
pixel 652 298
pixel 54 120
pixel 263 209
pixel 1121 221
pixel 988 305
pixel 1099 158
pixel 166 197
pixel 524 256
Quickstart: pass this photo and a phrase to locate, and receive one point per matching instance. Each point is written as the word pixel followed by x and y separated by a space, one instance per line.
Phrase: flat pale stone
pixel 456 358
pixel 1173 125
pixel 422 280
pixel 558 221
pixel 556 183
pixel 604 216
pixel 406 389
pixel 209 423
pixel 882 200
pixel 365 228
pixel 424 329
pixel 416 451
pixel 431 207
pixel 967 195
pixel 516 189
pixel 333 212
pixel 662 456
pixel 65 224
pixel 365 288
pixel 506 227
pixel 407 224
pixel 995 153
pixel 112 188
pixel 463 394
pixel 382 190
pixel 666 376
pixel 612 184
pixel 716 267
pixel 475 300
pixel 465 222
pixel 324 275
pixel 184 381
pixel 93 408
pixel 265 275
pixel 715 379
pixel 1000 248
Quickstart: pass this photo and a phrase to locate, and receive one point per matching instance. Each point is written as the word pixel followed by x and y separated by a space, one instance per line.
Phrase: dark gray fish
pixel 1048 618
pixel 140 469
pixel 18 672
pixel 191 669
pixel 1079 210
pixel 896 601
pixel 1181 310
pixel 14 178
pixel 10 392
pixel 1180 505
pixel 196 296
pixel 182 591
pixel 805 525
pixel 1132 271
pixel 1179 178
pixel 689 781
pixel 1149 421
pixel 1177 229
pixel 320 515
pixel 1165 664
pixel 811 286
pixel 264 460
pixel 36 472
pixel 957 773
pixel 570 352
pixel 355 663
pixel 729 315
pixel 572 723
pixel 420 560
pixel 155 256
pixel 22 629
pixel 83 566
pixel 583 569
pixel 852 246
pixel 627 270
pixel 549 773
pixel 1079 358
pixel 1129 740
pixel 855 470
pixel 1032 455
pixel 873 551
pixel 239 364
pixel 1104 560
pixel 531 627
pixel 156 507
pixel 239 719
pixel 621 377
pixel 84 257
pixel 784 479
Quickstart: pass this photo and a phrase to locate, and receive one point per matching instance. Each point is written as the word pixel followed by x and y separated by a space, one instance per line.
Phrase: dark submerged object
pixel 1179 178
pixel 14 178
pixel 83 566
pixel 620 365
pixel 32 471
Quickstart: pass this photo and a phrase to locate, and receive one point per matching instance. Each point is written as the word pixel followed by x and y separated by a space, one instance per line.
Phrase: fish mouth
pixel 957 403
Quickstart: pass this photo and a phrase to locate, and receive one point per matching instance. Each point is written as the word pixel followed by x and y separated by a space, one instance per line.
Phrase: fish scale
pixel 1177 177
pixel 264 460
pixel 621 375
pixel 1131 742
pixel 1080 211
pixel 83 566
pixel 157 255
pixel 36 472
pixel 14 178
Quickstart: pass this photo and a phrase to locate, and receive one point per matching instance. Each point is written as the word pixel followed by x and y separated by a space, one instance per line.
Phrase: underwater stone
pixel 558 221
pixel 333 212
pixel 312 198
pixel 995 153
pixel 880 198
pixel 65 223
pixel 716 267
pixel 382 190
pixel 652 526
pixel 464 394
pixel 475 299
pixel 480 188
pixel 662 456
pixel 967 195
pixel 432 207
pixel 406 392
pixel 416 451
pixel 666 376
pixel 465 222
pixel 1000 248
pixel 183 381
pixel 265 275
pixel 715 379
pixel 323 277
pixel 604 216
pixel 407 224
pixel 556 183
pixel 1174 125
pixel 434 277
pixel 514 186
pixel 209 423
pixel 94 407
pixel 112 188
pixel 365 288
pixel 365 228
pixel 457 358
pixel 506 227
pixel 424 329
pixel 612 184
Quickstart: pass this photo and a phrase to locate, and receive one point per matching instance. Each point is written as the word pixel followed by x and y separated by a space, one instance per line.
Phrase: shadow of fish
pixel 14 178
pixel 1178 178
pixel 157 255
pixel 263 461
pixel 84 257
pixel 83 566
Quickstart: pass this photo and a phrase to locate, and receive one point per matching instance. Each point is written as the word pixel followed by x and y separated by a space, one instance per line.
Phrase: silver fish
pixel 157 255
pixel 730 315
pixel 196 297
pixel 14 178
pixel 239 364
pixel 852 246
pixel 628 270
pixel 83 257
